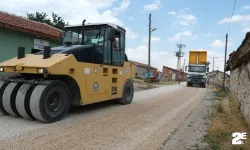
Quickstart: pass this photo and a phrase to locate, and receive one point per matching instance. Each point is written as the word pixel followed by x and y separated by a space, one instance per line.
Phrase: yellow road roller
pixel 89 67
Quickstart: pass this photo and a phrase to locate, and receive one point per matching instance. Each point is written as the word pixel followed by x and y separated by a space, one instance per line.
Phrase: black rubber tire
pixel 127 93
pixel 39 101
pixel 3 85
pixel 9 98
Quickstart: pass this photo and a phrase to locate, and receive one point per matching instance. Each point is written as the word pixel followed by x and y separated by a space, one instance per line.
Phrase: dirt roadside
pixel 189 134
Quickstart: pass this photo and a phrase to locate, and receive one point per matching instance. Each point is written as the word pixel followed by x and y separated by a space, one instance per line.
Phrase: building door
pixel 173 76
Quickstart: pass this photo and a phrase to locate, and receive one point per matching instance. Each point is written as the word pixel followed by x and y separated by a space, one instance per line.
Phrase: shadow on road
pixel 92 107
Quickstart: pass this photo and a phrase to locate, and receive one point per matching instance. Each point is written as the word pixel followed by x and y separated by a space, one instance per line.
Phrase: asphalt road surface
pixel 144 124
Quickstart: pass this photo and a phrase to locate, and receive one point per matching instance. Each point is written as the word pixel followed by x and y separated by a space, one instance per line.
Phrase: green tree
pixel 57 21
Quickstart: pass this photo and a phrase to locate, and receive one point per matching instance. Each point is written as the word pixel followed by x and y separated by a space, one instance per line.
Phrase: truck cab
pixel 197 75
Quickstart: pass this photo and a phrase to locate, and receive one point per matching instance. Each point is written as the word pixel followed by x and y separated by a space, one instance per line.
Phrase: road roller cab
pixel 84 70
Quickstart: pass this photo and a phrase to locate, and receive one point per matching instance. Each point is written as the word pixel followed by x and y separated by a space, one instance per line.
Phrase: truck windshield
pixel 197 69
pixel 91 36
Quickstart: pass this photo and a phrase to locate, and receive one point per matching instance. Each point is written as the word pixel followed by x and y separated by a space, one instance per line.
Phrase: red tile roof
pixel 141 64
pixel 17 23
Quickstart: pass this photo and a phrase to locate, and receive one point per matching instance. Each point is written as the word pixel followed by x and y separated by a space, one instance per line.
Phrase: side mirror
pixel 185 68
pixel 207 69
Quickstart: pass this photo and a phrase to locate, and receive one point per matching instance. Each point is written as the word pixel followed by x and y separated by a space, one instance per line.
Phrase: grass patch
pixel 226 119
pixel 221 93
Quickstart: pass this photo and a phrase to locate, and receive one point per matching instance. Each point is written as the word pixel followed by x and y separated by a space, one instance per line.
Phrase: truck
pixel 197 68
pixel 155 76
pixel 84 70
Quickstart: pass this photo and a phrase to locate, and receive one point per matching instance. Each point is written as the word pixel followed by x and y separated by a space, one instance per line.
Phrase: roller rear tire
pixel 9 98
pixel 3 85
pixel 23 101
pixel 127 94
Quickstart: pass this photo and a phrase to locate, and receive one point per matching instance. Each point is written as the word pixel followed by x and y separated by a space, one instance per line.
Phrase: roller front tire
pixel 50 103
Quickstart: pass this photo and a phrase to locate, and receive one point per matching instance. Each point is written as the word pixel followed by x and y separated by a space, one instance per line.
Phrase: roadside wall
pixel 240 87
pixel 216 78
pixel 239 66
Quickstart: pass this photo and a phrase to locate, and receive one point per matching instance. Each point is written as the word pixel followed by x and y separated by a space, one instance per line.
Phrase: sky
pixel 199 24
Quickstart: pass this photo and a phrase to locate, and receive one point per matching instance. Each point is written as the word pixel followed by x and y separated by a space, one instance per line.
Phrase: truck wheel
pixel 127 94
pixel 204 86
pixel 189 84
pixel 50 103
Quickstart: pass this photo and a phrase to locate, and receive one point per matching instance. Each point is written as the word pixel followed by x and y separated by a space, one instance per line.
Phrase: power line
pixel 231 17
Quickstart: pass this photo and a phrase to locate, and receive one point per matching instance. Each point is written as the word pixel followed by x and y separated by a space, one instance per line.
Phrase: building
pixel 172 74
pixel 18 31
pixel 216 77
pixel 141 68
pixel 239 66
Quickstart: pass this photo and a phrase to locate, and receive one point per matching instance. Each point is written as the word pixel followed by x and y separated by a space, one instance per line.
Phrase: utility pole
pixel 225 61
pixel 213 61
pixel 184 65
pixel 149 45
pixel 179 54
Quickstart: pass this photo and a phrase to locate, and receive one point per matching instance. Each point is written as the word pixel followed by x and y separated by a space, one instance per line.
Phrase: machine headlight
pixel 42 71
pixel 1 69
pixel 204 76
pixel 188 76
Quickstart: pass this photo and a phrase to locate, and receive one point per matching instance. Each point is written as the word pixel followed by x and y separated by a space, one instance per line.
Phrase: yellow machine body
pixel 96 82
pixel 90 66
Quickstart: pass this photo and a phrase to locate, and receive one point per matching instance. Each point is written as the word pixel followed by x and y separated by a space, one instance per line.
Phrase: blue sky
pixel 205 28
pixel 199 24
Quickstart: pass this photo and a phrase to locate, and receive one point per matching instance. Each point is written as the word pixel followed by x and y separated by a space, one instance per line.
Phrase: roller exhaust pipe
pixel 46 52
pixel 21 52
pixel 83 27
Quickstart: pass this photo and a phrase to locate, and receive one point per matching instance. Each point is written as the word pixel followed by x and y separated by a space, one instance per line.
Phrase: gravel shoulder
pixel 189 134
pixel 143 125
